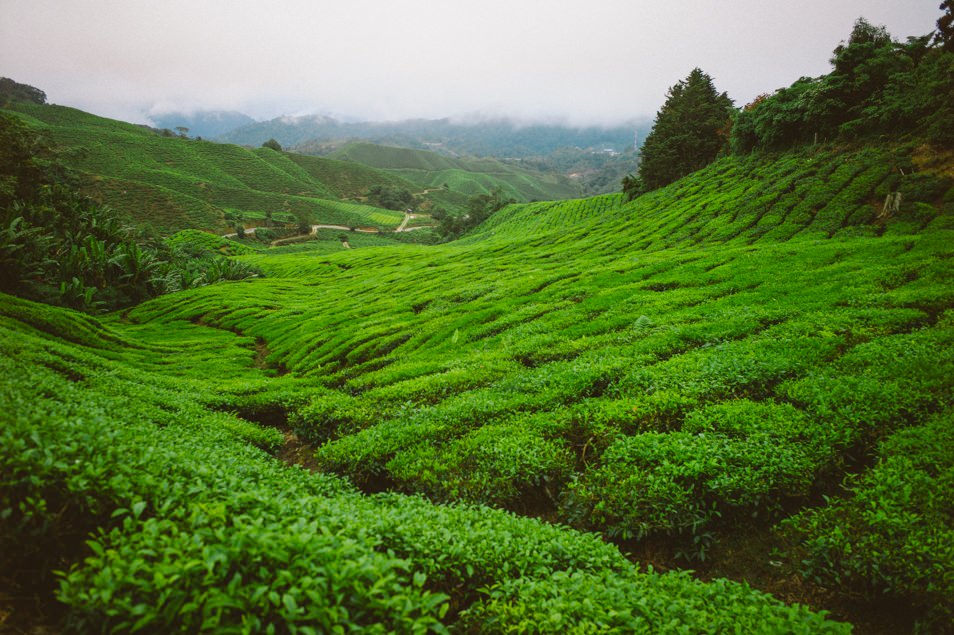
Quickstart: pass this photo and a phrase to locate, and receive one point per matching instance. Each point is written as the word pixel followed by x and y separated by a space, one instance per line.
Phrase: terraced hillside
pixel 751 367
pixel 176 183
pixel 128 434
pixel 348 179
pixel 469 176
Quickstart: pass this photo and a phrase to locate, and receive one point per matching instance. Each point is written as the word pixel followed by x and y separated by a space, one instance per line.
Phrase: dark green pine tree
pixel 690 130
pixel 945 26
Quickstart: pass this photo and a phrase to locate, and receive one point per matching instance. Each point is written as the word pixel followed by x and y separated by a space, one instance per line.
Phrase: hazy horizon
pixel 605 63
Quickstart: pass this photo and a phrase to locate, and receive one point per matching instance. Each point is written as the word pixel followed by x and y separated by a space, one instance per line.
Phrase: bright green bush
pixel 330 415
pixel 508 464
pixel 706 357
pixel 577 602
pixel 677 483
pixel 166 520
pixel 892 535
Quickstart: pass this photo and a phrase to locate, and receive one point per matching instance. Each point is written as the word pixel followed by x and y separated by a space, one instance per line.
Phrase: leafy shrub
pixel 59 246
pixel 879 387
pixel 677 483
pixel 330 415
pixel 509 465
pixel 577 602
pixel 892 536
pixel 193 529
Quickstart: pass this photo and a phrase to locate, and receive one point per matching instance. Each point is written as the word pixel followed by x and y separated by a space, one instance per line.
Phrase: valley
pixel 386 390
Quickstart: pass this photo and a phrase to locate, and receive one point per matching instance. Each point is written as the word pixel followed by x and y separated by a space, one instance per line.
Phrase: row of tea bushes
pixel 164 519
pixel 893 536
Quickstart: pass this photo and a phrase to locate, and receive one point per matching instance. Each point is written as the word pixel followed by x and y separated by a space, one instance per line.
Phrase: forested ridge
pixel 879 90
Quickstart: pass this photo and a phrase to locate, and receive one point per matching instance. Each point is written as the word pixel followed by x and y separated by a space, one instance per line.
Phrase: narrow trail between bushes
pixel 294 451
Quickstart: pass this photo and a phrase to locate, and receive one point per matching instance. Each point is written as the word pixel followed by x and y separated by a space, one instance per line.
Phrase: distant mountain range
pixel 206 124
pixel 594 159
pixel 501 138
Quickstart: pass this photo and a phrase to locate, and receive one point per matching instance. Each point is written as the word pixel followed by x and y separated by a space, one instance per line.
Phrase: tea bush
pixel 893 536
pixel 708 357
pixel 164 519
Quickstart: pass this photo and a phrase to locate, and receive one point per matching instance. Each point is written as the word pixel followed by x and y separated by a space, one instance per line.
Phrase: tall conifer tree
pixel 690 130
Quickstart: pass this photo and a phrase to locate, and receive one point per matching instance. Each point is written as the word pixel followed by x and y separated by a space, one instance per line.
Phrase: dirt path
pixel 297 452
pixel 345 228
pixel 408 217
pixel 250 230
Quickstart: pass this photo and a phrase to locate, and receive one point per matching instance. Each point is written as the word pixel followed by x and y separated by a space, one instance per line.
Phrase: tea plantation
pixel 472 176
pixel 178 183
pixel 755 350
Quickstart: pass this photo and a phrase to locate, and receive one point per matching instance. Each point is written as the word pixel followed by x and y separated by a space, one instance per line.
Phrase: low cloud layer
pixel 597 62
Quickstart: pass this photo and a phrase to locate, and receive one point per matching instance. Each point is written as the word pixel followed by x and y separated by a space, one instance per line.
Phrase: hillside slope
pixel 576 359
pixel 125 465
pixel 470 176
pixel 754 349
pixel 176 183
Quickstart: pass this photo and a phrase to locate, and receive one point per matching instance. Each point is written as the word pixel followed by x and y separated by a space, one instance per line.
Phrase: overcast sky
pixel 588 61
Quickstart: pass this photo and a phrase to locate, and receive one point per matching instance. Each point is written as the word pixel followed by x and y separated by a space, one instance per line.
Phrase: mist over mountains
pixel 205 123
pixel 497 137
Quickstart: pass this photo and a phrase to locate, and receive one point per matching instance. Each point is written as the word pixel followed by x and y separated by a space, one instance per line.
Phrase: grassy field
pixel 750 355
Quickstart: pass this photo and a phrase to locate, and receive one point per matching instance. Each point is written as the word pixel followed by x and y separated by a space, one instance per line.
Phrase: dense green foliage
pixel 468 176
pixel 390 197
pixel 194 528
pixel 690 130
pixel 893 536
pixel 945 26
pixel 479 209
pixel 719 350
pixel 272 144
pixel 178 183
pixel 59 246
pixel 877 88
pixel 11 91
pixel 760 350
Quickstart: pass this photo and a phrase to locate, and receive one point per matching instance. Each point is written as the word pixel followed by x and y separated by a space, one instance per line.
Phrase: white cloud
pixel 596 61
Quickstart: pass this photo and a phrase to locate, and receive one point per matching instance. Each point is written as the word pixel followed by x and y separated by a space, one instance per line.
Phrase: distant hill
pixel 205 124
pixel 497 138
pixel 470 176
pixel 350 180
pixel 11 91
pixel 176 183
pixel 593 158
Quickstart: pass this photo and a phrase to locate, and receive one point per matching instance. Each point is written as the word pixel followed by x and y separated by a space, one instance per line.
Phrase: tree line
pixel 878 88
pixel 479 209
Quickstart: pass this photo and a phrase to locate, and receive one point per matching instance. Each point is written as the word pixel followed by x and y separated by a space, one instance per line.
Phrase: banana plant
pixel 23 254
